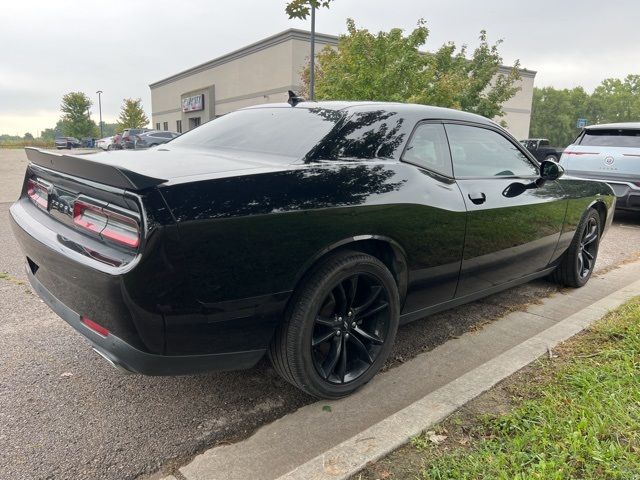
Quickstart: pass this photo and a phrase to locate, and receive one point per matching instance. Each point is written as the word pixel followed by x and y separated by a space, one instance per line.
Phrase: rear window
pixel 288 132
pixel 611 138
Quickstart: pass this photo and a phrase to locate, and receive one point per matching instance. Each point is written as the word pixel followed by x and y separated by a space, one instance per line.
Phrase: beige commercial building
pixel 263 72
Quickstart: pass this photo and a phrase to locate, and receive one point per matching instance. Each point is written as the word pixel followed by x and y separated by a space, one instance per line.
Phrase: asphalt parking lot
pixel 65 413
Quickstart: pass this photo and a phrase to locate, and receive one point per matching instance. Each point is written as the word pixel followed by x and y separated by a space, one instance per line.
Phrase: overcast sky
pixel 48 48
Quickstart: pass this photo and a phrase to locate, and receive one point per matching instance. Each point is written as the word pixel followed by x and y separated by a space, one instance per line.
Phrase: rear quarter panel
pixel 247 240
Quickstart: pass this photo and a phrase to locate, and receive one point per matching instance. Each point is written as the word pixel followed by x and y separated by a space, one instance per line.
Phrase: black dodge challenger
pixel 307 232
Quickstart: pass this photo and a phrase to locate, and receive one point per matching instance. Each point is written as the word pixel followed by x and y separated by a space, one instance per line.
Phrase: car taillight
pixel 569 152
pixel 107 223
pixel 38 193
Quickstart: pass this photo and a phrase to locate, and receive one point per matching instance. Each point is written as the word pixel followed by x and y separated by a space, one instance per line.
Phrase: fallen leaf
pixel 436 439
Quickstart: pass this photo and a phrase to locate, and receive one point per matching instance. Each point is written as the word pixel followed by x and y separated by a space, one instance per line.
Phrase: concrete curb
pixel 352 455
pixel 404 401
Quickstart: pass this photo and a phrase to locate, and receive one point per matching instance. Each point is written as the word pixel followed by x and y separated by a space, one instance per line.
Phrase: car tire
pixel 551 158
pixel 578 262
pixel 109 147
pixel 350 301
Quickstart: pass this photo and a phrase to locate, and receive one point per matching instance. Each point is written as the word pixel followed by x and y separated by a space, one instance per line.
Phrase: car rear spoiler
pixel 80 165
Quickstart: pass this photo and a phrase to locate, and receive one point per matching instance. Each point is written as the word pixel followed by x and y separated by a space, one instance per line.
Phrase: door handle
pixel 477 197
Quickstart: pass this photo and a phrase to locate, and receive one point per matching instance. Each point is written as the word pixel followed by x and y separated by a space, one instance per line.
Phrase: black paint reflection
pixel 364 135
pixel 302 189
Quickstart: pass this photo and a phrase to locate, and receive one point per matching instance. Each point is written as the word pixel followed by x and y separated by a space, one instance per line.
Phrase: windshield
pixel 611 138
pixel 288 132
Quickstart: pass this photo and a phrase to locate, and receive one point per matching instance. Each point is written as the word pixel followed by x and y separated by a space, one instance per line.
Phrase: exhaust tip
pixel 113 363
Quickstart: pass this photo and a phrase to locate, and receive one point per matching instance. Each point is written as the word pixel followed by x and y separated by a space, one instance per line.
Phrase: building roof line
pixel 291 33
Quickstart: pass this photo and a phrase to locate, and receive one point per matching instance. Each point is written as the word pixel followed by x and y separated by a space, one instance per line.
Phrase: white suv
pixel 609 152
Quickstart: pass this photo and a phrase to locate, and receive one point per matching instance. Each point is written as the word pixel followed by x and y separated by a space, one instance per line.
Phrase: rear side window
pixel 428 149
pixel 480 152
pixel 365 135
pixel 288 132
pixel 611 138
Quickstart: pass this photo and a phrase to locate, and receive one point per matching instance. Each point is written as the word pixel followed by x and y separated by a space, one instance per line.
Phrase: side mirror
pixel 550 170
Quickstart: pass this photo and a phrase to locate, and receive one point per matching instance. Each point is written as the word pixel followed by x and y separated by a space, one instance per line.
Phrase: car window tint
pixel 289 132
pixel 365 135
pixel 428 149
pixel 479 152
pixel 611 138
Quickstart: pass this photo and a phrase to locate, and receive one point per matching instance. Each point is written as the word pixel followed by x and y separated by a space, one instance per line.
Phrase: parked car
pixel 541 149
pixel 308 233
pixel 105 143
pixel 611 153
pixel 154 138
pixel 129 136
pixel 67 142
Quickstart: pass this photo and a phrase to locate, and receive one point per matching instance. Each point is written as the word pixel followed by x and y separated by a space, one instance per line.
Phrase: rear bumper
pixel 627 193
pixel 628 198
pixel 122 355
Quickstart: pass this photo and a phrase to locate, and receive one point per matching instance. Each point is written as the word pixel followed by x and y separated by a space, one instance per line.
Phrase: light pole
pixel 99 92
pixel 312 73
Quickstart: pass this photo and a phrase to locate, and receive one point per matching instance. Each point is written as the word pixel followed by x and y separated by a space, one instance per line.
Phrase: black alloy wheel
pixel 350 328
pixel 588 248
pixel 340 326
pixel 578 262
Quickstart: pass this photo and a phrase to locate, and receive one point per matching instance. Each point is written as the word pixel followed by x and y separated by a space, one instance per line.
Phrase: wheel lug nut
pixel 340 319
pixel 338 333
pixel 350 313
pixel 346 335
pixel 353 325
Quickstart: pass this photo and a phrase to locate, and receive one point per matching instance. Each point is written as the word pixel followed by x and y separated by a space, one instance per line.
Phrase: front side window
pixel 428 149
pixel 480 152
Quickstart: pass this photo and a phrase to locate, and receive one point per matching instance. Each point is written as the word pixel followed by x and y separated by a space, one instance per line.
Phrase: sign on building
pixel 193 104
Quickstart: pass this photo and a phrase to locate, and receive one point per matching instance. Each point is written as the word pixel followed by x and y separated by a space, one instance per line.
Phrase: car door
pixel 513 224
pixel 439 219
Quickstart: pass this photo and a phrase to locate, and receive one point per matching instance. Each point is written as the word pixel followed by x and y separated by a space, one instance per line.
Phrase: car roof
pixel 613 126
pixel 413 109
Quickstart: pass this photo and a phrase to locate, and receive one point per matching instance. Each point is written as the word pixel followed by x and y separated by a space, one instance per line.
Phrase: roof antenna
pixel 294 99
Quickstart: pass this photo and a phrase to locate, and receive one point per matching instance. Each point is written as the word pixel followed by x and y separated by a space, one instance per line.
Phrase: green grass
pixel 26 143
pixel 580 419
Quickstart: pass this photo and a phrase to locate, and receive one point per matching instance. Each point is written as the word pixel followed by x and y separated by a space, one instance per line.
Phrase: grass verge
pixel 574 415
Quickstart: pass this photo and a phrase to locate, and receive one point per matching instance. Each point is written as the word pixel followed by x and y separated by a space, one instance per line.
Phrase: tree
pixel 28 136
pixel 76 119
pixel 132 115
pixel 302 8
pixel 48 134
pixel 555 112
pixel 616 100
pixel 389 66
